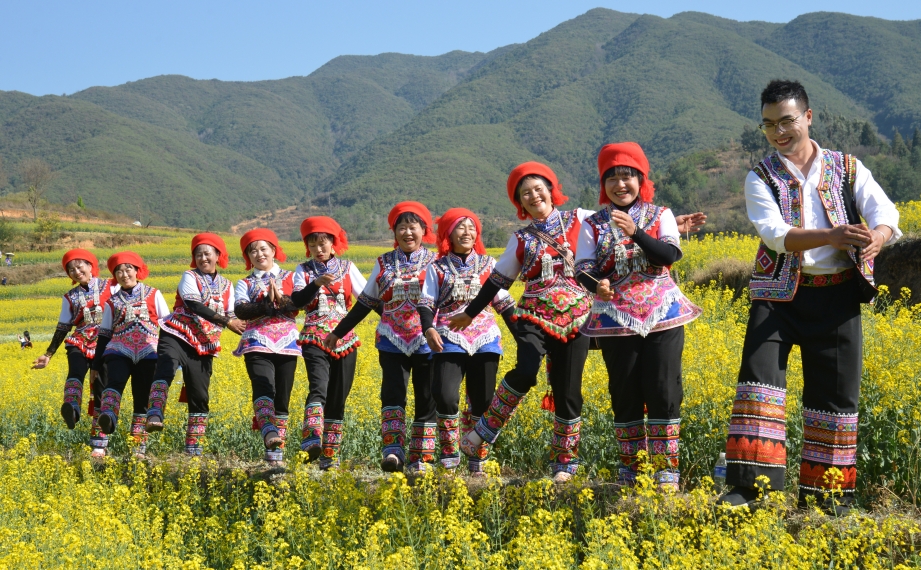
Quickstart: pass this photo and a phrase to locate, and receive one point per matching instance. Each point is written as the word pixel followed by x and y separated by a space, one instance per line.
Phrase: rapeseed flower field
pixel 60 508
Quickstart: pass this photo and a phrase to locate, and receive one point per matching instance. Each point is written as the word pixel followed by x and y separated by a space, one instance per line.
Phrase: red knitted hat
pixel 326 225
pixel 260 234
pixel 527 169
pixel 416 208
pixel 625 154
pixel 130 258
pixel 449 221
pixel 85 256
pixel 214 241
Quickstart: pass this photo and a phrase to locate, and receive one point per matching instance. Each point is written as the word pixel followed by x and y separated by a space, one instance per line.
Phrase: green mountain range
pixel 360 133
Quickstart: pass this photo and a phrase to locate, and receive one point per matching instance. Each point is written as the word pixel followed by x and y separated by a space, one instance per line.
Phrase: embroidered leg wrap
pixel 564 445
pixel 467 421
pixel 332 443
pixel 663 442
pixel 448 438
pixel 109 406
pixel 312 428
pixel 829 440
pixel 194 432
pixel 475 463
pixel 156 405
pixel 757 434
pixel 98 440
pixel 393 431
pixel 631 437
pixel 500 410
pixel 138 435
pixel 422 443
pixel 278 454
pixel 73 397
pixel 264 420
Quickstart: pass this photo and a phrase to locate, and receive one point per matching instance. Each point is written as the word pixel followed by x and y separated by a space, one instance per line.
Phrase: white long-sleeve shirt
pixel 764 212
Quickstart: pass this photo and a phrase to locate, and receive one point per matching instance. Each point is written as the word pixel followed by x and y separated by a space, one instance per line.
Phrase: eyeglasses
pixel 784 124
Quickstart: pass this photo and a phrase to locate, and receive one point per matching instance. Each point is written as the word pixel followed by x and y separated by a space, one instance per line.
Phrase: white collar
pixel 796 171
pixel 274 271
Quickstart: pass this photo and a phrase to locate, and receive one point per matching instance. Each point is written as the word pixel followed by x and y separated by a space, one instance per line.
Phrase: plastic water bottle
pixel 719 474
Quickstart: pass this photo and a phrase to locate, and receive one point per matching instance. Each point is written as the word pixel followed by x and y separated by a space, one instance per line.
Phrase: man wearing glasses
pixel 813 269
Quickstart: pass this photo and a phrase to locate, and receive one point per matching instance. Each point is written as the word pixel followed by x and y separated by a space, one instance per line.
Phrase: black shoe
pixel 739 497
pixel 106 424
pixel 71 414
pixel 391 463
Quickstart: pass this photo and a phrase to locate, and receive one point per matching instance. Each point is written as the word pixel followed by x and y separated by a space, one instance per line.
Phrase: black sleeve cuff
pixel 357 314
pixel 306 295
pixel 657 252
pixel 483 298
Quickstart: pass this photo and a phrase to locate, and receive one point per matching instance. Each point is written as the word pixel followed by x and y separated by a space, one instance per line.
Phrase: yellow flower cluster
pixel 57 508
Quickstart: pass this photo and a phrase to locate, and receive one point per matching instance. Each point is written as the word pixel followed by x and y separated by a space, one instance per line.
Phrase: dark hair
pixel 26 334
pixel 622 171
pixel 780 90
pixel 317 236
pixel 410 218
pixel 530 177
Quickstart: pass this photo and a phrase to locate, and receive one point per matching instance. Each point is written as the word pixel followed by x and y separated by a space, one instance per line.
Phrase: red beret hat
pixel 130 258
pixel 85 256
pixel 449 221
pixel 625 154
pixel 260 234
pixel 326 225
pixel 214 241
pixel 415 208
pixel 530 169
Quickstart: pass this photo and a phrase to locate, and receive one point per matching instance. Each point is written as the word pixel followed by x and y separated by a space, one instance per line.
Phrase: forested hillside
pixel 362 132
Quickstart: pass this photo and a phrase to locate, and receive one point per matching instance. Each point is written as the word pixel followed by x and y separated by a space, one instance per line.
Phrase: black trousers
pixel 330 379
pixel 173 352
pixel 77 367
pixel 272 376
pixel 644 372
pixel 395 371
pixel 567 360
pixel 825 323
pixel 118 369
pixel 451 368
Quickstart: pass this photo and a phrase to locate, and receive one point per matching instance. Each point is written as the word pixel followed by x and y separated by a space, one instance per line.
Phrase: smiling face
pixel 261 254
pixel 80 271
pixel 408 236
pixel 793 139
pixel 622 188
pixel 319 246
pixel 463 238
pixel 206 258
pixel 534 196
pixel 126 275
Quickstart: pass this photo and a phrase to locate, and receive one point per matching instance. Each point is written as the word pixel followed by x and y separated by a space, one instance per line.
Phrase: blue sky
pixel 63 46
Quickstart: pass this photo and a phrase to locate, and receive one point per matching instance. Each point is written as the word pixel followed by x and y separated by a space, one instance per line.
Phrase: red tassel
pixel 547 403
pixel 645 410
pixel 255 425
pixel 513 318
pixel 90 408
pixel 182 395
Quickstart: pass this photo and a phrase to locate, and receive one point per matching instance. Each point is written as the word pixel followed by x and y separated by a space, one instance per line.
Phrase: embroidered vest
pixel 135 330
pixel 775 276
pixel 552 298
pixel 200 333
pixel 646 298
pixel 400 287
pixel 276 334
pixel 329 307
pixel 458 284
pixel 86 308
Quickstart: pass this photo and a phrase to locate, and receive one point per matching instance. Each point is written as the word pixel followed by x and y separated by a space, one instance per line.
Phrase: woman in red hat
pixel 638 315
pixel 269 342
pixel 81 309
pixel 191 337
pixel 128 337
pixel 395 288
pixel 324 286
pixel 452 281
pixel 548 316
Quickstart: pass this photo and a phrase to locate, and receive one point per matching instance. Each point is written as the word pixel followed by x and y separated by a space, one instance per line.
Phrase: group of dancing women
pixel 597 279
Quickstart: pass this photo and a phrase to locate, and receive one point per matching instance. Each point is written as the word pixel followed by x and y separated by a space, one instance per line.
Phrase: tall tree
pixel 4 179
pixel 915 140
pixel 868 136
pixel 36 176
pixel 753 142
